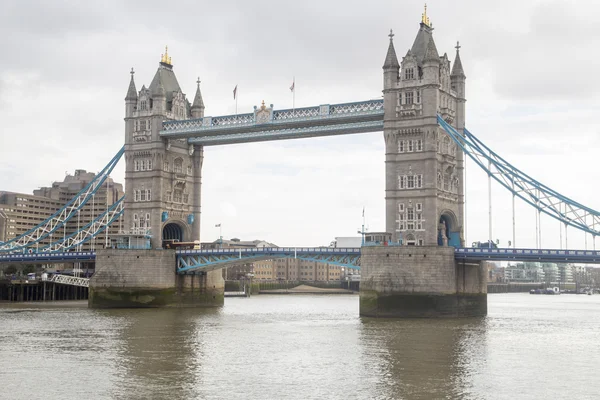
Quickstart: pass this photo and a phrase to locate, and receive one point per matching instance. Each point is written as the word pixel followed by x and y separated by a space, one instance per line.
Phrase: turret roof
pixel 165 77
pixel 391 61
pixel 431 54
pixel 457 68
pixel 131 91
pixel 421 43
pixel 198 102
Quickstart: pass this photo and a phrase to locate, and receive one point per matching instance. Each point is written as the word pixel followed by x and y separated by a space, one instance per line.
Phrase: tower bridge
pixel 425 270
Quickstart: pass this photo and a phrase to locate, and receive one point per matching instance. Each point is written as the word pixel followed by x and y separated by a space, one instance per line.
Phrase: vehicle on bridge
pixel 177 245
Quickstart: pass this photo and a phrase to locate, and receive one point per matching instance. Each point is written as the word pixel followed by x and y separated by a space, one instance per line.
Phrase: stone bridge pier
pixel 147 278
pixel 420 281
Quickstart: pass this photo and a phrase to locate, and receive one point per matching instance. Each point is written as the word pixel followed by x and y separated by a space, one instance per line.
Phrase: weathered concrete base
pixel 147 278
pixel 420 282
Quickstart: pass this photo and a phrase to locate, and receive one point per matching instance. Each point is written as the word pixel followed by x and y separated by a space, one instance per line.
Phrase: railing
pixel 70 280
pixel 277 116
pixel 49 256
pixel 273 250
pixel 541 255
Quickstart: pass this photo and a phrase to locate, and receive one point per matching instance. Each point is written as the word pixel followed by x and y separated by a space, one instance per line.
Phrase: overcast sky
pixel 532 95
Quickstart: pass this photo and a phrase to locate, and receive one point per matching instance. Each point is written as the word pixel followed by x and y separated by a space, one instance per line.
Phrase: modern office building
pixel 22 212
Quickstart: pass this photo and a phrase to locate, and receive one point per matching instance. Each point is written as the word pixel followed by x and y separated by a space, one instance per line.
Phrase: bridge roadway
pixel 189 261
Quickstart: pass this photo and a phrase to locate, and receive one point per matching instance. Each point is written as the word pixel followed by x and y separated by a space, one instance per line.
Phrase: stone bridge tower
pixel 424 168
pixel 424 193
pixel 162 177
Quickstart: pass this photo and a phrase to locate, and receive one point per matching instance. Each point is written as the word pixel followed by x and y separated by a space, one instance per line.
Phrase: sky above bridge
pixel 532 96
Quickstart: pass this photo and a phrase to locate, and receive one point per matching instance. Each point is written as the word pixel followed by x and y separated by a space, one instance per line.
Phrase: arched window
pixel 177 194
pixel 178 166
pixel 446 145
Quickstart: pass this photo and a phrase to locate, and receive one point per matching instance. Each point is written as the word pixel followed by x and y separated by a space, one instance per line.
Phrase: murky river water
pixel 302 347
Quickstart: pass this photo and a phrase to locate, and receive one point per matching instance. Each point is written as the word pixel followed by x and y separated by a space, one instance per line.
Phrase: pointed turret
pixel 198 105
pixel 131 98
pixel 159 89
pixel 431 54
pixel 457 68
pixel 159 98
pixel 131 91
pixel 391 66
pixel 391 61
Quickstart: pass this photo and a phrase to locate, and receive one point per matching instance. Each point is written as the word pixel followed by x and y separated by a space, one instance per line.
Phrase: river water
pixel 301 347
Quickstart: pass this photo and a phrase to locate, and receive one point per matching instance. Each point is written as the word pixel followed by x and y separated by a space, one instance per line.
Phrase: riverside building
pixel 21 212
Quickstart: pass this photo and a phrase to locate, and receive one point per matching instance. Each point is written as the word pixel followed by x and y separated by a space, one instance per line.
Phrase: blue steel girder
pixel 536 194
pixel 347 261
pixel 48 257
pixel 291 133
pixel 189 261
pixel 364 116
pixel 533 255
pixel 47 227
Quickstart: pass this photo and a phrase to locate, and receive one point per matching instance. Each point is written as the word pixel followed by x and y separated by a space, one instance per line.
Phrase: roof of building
pixel 421 43
pixel 164 77
pixel 353 241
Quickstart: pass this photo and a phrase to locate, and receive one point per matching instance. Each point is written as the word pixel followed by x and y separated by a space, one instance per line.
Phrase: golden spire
pixel 425 18
pixel 164 58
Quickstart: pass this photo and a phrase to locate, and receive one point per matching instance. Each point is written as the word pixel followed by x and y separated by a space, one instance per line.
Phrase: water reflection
pixel 158 352
pixel 425 359
pixel 301 347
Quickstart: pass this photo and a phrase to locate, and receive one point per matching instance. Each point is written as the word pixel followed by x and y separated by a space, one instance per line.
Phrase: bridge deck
pixel 190 260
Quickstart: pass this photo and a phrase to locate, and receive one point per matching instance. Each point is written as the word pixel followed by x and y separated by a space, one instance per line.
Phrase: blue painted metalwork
pixel 58 219
pixel 191 261
pixel 205 260
pixel 38 258
pixel 265 120
pixel 289 133
pixel 543 255
pixel 522 185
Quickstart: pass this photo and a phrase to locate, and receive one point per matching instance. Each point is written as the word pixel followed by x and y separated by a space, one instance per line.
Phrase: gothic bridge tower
pixel 424 193
pixel 424 168
pixel 162 177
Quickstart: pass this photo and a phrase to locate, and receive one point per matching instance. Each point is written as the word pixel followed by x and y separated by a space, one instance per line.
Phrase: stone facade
pixel 162 177
pixel 424 168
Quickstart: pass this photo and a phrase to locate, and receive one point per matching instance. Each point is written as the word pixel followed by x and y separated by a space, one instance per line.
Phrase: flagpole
pixel 236 100
pixel 294 97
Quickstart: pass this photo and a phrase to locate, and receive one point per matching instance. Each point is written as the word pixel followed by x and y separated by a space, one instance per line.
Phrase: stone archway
pixel 172 232
pixel 448 231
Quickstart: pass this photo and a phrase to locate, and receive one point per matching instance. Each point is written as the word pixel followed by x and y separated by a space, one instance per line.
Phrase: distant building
pixel 288 269
pixel 524 272
pixel 22 212
pixel 347 242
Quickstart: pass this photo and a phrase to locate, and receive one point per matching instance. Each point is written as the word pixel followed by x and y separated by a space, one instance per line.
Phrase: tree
pixel 11 269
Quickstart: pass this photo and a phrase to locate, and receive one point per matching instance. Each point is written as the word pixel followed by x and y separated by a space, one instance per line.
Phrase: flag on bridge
pixel 293 87
pixel 217 225
pixel 234 92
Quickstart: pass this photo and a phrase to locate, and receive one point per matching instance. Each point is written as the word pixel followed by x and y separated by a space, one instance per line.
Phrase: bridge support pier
pixel 147 278
pixel 415 282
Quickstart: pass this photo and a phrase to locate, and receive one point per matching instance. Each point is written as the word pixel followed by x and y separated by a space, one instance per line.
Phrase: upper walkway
pixel 266 124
